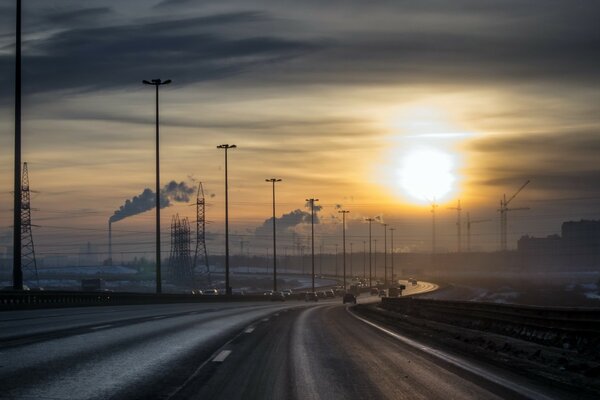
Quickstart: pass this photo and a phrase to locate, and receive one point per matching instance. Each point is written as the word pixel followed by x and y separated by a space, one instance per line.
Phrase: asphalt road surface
pixel 291 350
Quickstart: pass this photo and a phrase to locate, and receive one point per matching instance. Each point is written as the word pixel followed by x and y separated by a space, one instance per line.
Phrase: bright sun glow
pixel 427 174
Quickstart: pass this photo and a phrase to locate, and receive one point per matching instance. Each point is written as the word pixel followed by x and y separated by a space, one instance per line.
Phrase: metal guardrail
pixel 556 326
pixel 49 299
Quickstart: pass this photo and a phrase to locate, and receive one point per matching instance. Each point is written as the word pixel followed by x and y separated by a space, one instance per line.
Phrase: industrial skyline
pixel 86 130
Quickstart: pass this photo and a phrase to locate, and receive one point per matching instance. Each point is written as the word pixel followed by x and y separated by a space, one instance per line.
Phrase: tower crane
pixel 504 215
pixel 469 222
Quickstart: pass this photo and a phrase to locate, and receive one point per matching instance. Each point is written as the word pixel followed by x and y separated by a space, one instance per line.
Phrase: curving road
pixel 291 350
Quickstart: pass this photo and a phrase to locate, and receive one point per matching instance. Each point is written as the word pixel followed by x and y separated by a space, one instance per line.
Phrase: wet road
pixel 290 350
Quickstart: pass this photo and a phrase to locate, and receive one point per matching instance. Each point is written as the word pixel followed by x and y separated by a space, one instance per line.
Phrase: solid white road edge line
pixel 458 362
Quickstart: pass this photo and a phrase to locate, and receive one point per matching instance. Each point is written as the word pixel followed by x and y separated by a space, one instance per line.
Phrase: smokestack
pixel 109 242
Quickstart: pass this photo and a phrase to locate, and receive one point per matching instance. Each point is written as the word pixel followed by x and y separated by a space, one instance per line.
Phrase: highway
pixel 291 350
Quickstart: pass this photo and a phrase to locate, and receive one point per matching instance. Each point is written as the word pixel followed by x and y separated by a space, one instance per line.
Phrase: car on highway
pixel 382 293
pixel 287 292
pixel 340 292
pixel 321 295
pixel 211 292
pixel 394 292
pixel 349 298
pixel 311 296
pixel 268 293
pixel 374 291
pixel 239 292
pixel 277 296
pixel 330 294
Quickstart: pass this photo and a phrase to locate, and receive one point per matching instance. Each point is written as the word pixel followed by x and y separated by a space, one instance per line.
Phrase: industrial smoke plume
pixel 171 192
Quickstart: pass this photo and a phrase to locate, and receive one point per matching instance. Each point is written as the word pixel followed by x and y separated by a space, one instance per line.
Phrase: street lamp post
pixel 364 259
pixel 312 237
pixel 273 181
pixel 17 270
pixel 227 286
pixel 344 212
pixel 351 252
pixel 392 245
pixel 370 220
pixel 156 83
pixel 385 280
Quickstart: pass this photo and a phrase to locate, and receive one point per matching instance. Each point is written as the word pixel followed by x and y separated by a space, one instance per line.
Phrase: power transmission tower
pixel 504 216
pixel 201 249
pixel 180 263
pixel 28 260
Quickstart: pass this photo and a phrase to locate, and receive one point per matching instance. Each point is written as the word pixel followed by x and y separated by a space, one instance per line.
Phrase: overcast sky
pixel 329 96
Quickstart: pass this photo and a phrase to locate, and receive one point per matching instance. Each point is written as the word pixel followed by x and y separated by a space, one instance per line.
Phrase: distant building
pixel 577 246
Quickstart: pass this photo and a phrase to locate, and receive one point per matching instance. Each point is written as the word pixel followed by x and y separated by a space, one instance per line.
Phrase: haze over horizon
pixel 333 98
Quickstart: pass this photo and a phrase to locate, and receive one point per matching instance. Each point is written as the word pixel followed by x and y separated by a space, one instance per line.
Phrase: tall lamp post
pixel 312 237
pixel 273 181
pixel 370 220
pixel 17 270
pixel 344 212
pixel 392 246
pixel 227 286
pixel 156 83
pixel 385 280
pixel 364 259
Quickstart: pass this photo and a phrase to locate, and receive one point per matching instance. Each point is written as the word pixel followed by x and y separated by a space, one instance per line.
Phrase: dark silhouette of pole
pixel 312 237
pixel 351 252
pixel 273 181
pixel 227 286
pixel 364 259
pixel 392 246
pixel 344 212
pixel 385 279
pixel 370 220
pixel 156 83
pixel 17 268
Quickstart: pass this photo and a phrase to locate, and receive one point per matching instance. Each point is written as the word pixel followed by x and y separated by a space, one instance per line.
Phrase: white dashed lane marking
pixel 222 356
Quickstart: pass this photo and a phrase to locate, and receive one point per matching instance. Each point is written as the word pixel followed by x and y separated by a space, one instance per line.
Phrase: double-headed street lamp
pixel 311 201
pixel 273 181
pixel 156 83
pixel 227 287
pixel 344 212
pixel 370 221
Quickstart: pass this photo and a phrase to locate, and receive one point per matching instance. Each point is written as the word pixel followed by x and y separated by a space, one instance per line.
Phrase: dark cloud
pixel 544 158
pixel 184 50
pixel 171 3
pixel 77 17
pixel 542 143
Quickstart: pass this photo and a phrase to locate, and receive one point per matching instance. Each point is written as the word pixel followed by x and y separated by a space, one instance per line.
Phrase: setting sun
pixel 427 174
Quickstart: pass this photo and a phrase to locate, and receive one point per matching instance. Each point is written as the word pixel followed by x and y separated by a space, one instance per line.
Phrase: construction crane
pixel 458 209
pixel 504 216
pixel 469 222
